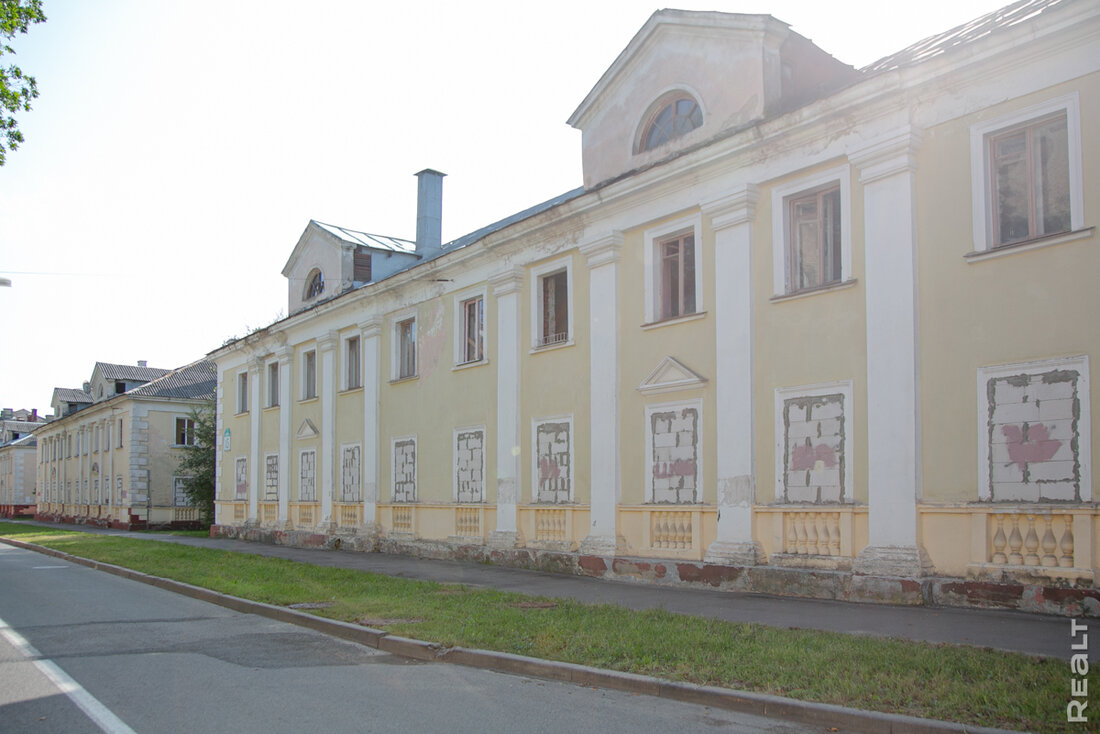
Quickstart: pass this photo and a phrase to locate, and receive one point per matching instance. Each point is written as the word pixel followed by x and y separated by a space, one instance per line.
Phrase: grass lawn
pixel 968 685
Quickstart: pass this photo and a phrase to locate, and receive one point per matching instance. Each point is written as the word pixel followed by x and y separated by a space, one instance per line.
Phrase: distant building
pixel 17 460
pixel 111 456
pixel 805 329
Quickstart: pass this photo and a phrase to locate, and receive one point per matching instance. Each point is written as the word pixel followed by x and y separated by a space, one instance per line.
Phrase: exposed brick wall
pixel 675 445
pixel 351 474
pixel 470 464
pixel 554 457
pixel 404 470
pixel 813 453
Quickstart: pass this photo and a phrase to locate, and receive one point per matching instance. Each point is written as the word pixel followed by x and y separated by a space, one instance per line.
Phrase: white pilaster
pixel 371 334
pixel 256 464
pixel 731 218
pixel 284 355
pixel 602 254
pixel 327 344
pixel 506 287
pixel 888 174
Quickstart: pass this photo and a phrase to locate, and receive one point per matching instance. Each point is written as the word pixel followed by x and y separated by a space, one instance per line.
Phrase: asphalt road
pixel 83 651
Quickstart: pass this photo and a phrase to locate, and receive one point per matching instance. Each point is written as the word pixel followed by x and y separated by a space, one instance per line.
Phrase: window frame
pixel 654 238
pixel 461 336
pixel 272 374
pixel 666 98
pixel 308 384
pixel 984 132
pixel 242 392
pixel 783 197
pixel 397 347
pixel 353 373
pixel 188 432
pixel 315 274
pixel 539 273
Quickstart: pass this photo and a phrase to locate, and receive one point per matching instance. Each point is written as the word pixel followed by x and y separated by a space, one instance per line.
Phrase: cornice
pixel 736 207
pixel 371 326
pixel 888 155
pixel 603 250
pixel 327 342
pixel 509 280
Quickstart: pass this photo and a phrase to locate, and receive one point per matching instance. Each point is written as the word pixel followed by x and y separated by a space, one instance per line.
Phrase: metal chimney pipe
pixel 429 209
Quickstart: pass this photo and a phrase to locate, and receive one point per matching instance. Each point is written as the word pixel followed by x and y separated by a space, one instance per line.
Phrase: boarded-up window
pixel 361 266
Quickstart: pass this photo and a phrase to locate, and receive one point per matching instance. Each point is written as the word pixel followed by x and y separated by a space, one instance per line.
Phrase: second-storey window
pixel 473 330
pixel 676 289
pixel 1029 180
pixel 273 384
pixel 354 371
pixel 814 239
pixel 242 392
pixel 309 375
pixel 406 348
pixel 185 432
pixel 554 308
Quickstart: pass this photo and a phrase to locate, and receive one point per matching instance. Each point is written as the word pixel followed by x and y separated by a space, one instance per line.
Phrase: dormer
pixel 687 77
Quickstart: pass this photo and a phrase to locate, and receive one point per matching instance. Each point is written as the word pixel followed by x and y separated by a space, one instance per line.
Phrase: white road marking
pixel 103 717
pixel 39 568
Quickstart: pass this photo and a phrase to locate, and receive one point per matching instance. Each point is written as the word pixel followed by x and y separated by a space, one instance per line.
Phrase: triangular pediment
pixel 307 429
pixel 669 376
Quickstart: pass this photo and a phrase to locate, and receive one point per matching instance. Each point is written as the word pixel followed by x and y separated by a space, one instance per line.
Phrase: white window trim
pixel 268 402
pixel 535 423
pixel 303 395
pixel 345 350
pixel 781 235
pixel 1084 421
pixel 661 408
pixel 782 394
pixel 301 454
pixel 460 326
pixel 652 237
pixel 242 396
pixel 537 274
pixel 454 461
pixel 395 345
pixel 416 469
pixel 979 164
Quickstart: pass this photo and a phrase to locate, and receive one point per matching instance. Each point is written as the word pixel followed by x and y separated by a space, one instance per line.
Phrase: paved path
pixel 1005 630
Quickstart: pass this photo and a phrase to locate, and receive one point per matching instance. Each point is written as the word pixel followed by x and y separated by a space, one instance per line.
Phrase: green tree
pixel 16 88
pixel 197 463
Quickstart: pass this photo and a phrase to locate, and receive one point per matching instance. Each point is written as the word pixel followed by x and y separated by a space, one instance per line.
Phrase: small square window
pixel 405 333
pixel 473 330
pixel 354 377
pixel 309 375
pixel 273 384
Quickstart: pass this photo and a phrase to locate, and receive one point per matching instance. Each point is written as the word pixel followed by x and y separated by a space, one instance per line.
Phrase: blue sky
pixel 179 148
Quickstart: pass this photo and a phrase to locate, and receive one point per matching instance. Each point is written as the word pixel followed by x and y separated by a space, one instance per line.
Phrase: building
pixel 17 461
pixel 805 329
pixel 110 457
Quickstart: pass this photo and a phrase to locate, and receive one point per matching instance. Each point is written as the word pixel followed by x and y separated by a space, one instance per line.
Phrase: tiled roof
pixel 196 381
pixel 376 241
pixel 72 395
pixel 129 372
pixel 941 43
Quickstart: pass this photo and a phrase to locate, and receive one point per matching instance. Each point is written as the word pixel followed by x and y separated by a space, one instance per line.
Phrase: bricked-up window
pixel 404 469
pixel 185 432
pixel 240 476
pixel 1034 443
pixel 554 461
pixel 677 276
pixel 554 308
pixel 351 474
pixel 473 330
pixel 309 375
pixel 354 370
pixel 674 453
pixel 470 465
pixel 242 392
pixel 273 384
pixel 814 239
pixel 1029 180
pixel 179 492
pixel 120 492
pixel 813 448
pixel 271 477
pixel 307 476
pixel 406 348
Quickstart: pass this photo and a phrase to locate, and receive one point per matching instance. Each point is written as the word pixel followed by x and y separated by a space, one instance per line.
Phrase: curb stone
pixel 760 704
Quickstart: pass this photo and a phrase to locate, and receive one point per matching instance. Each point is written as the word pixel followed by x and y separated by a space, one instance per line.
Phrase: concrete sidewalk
pixel 1004 630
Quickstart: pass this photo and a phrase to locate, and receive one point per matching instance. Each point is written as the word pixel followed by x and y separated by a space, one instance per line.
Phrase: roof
pixel 941 43
pixel 196 381
pixel 128 372
pixel 29 441
pixel 374 241
pixel 71 395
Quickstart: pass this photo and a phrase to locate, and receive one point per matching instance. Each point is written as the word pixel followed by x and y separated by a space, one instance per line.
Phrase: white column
pixel 506 287
pixel 371 334
pixel 731 218
pixel 888 174
pixel 283 355
pixel 327 375
pixel 255 414
pixel 603 258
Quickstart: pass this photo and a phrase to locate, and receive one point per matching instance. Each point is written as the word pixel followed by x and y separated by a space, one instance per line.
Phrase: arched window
pixel 678 116
pixel 315 284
